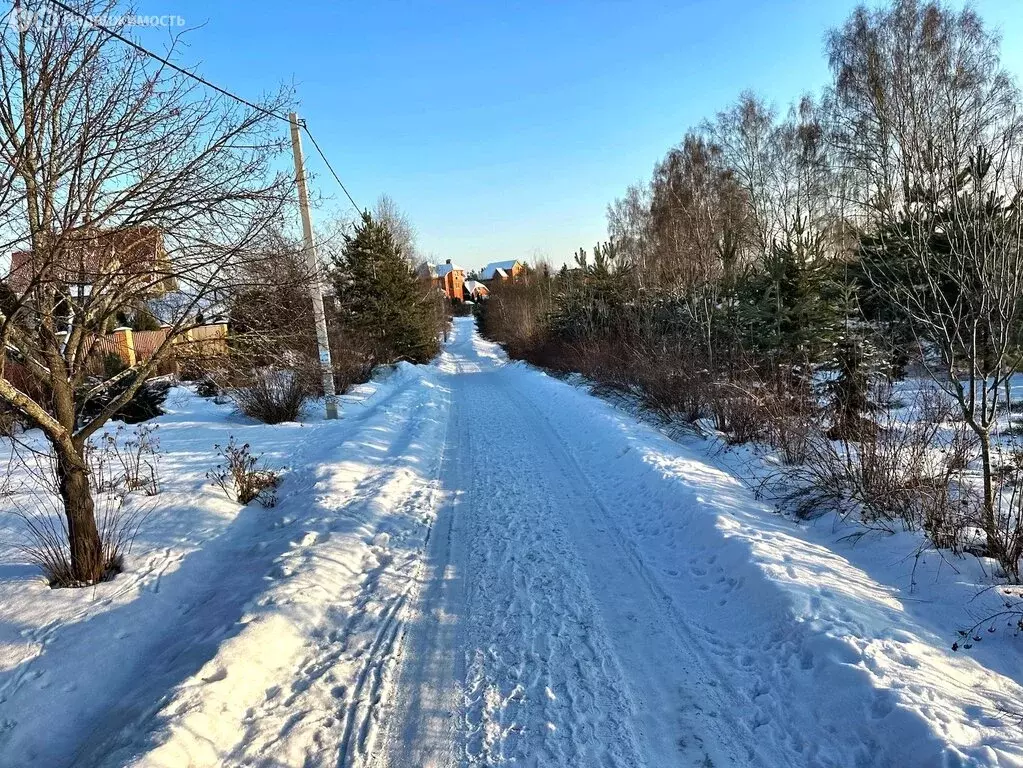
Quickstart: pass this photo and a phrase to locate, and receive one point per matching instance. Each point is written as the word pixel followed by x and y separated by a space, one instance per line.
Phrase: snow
pixel 495 268
pixel 442 270
pixel 483 565
pixel 221 603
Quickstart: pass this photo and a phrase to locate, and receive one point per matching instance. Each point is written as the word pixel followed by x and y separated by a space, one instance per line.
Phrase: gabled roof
pixel 474 285
pixel 498 269
pixel 442 270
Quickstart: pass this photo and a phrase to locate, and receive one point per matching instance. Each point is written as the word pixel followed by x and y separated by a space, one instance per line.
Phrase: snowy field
pixel 481 565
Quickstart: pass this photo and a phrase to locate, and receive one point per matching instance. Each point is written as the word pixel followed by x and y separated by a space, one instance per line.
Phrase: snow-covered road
pixel 481 566
pixel 598 595
pixel 546 640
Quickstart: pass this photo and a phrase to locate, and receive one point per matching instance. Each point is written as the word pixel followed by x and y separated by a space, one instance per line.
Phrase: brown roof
pixel 90 255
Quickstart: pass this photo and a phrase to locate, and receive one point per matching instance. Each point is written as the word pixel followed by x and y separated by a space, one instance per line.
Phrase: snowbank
pixel 178 661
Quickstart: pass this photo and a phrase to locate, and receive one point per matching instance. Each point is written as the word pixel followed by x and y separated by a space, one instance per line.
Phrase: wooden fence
pixel 131 347
pixel 197 347
pixel 134 347
pixel 114 344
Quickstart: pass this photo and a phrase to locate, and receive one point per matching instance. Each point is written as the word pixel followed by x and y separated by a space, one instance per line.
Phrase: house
pixel 130 261
pixel 475 290
pixel 447 277
pixel 502 270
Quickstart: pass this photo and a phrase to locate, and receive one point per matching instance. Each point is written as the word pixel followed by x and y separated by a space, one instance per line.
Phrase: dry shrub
pixel 739 412
pixel 672 388
pixel 277 392
pixel 126 461
pixel 600 361
pixel 963 447
pixel 207 386
pixel 194 364
pixel 605 362
pixel 517 314
pixel 1008 479
pixel 893 477
pixel 750 410
pixel 47 543
pixel 793 422
pixel 661 382
pixel 353 360
pixel 273 395
pixel 242 475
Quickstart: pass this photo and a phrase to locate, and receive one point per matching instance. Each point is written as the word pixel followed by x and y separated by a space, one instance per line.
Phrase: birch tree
pixel 927 122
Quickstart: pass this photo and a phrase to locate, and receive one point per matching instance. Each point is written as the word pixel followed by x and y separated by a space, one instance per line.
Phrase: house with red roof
pixel 446 277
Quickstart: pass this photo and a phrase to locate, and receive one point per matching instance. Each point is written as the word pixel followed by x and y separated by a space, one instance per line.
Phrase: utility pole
pixel 315 290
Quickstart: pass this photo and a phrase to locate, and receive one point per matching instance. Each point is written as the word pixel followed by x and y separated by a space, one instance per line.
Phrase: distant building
pixel 448 277
pixel 502 270
pixel 131 260
pixel 475 290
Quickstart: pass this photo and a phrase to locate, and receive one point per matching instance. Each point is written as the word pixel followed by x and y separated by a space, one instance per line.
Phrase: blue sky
pixel 504 129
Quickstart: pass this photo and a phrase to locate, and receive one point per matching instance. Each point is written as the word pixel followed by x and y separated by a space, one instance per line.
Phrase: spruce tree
pixel 381 298
pixel 857 366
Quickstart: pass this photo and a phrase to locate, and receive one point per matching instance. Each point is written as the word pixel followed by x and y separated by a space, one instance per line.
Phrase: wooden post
pixel 315 290
pixel 174 363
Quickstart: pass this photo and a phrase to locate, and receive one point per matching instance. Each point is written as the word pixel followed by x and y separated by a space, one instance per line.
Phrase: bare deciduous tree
pixel 743 135
pixel 629 225
pixel 928 124
pixel 400 226
pixel 123 181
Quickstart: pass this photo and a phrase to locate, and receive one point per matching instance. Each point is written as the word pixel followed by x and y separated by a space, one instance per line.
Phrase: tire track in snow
pixel 542 685
pixel 343 684
pixel 421 716
pixel 735 708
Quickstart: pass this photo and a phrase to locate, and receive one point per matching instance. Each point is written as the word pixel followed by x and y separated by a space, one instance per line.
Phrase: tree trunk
pixel 86 547
pixel 994 542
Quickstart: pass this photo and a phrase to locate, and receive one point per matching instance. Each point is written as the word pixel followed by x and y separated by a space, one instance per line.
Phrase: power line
pixel 145 51
pixel 166 62
pixel 329 166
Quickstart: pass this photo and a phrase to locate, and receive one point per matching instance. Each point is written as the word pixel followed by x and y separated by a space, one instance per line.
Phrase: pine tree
pixel 381 298
pixel 792 311
pixel 591 306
